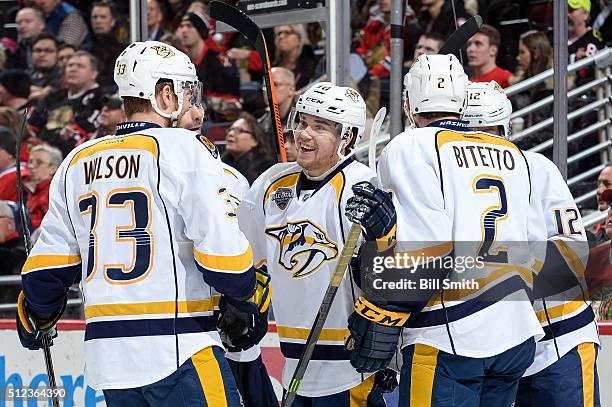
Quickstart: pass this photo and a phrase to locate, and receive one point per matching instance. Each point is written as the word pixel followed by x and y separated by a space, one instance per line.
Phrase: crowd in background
pixel 57 62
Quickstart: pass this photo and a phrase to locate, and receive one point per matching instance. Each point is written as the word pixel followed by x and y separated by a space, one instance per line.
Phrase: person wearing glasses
pixel 284 82
pixel 44 71
pixel 42 165
pixel 247 148
pixel 295 53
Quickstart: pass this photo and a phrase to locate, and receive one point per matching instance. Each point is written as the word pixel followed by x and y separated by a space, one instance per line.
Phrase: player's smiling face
pixel 317 144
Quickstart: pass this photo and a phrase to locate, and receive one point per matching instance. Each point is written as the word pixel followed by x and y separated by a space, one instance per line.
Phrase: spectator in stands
pixel 12 119
pixel 14 89
pixel 218 73
pixel 42 165
pixel 438 16
pixel 534 57
pixel 603 22
pixel 64 21
pixel 12 251
pixel 156 13
pixel 290 147
pixel 246 148
pixel 104 43
pixel 604 182
pixel 284 82
pixel 294 53
pixel 429 44
pixel 65 51
pixel 177 9
pixel 482 51
pixel 44 72
pixel 30 23
pixel 111 115
pixel 8 173
pixel 68 114
pixel 583 40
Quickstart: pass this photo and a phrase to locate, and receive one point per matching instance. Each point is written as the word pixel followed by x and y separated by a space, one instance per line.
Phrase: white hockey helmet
pixel 488 106
pixel 142 64
pixel 435 83
pixel 340 104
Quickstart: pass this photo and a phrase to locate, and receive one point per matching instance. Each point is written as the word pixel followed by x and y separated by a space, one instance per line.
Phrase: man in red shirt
pixel 482 51
pixel 42 165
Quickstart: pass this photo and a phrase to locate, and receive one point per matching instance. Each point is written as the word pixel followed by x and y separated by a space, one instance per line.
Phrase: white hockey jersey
pixel 297 228
pixel 566 317
pixel 144 218
pixel 467 194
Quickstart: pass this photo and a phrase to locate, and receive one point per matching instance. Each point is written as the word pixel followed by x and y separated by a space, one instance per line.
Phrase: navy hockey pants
pixel 205 379
pixel 362 395
pixel 430 377
pixel 569 382
pixel 254 383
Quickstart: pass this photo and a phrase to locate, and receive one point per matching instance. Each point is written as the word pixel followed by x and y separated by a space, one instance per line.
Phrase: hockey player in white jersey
pixel 457 194
pixel 564 371
pixel 142 218
pixel 294 217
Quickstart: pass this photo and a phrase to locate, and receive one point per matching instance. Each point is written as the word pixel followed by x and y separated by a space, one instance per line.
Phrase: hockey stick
pixel 376 128
pixel 460 37
pixel 237 19
pixel 27 239
pixel 336 279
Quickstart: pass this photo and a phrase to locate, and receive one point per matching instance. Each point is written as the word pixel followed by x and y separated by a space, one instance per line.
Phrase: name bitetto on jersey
pixel 486 156
pixel 121 166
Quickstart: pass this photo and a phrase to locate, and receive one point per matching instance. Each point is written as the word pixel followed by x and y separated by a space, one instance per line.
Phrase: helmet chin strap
pixel 174 116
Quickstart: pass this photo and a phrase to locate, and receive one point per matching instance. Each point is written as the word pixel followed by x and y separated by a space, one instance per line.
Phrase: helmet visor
pixel 299 121
pixel 194 89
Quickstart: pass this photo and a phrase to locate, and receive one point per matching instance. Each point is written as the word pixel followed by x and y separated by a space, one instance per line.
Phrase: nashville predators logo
pixel 304 247
pixel 351 94
pixel 163 52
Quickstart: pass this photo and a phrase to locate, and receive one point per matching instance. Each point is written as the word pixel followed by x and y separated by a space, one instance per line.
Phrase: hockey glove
pixel 31 330
pixel 243 324
pixel 374 336
pixel 373 209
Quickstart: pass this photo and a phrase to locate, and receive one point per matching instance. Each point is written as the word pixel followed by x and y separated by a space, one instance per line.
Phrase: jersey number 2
pixel 490 217
pixel 138 234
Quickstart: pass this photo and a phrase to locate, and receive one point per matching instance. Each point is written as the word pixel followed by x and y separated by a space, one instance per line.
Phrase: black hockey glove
pixel 31 330
pixel 373 209
pixel 243 324
pixel 374 336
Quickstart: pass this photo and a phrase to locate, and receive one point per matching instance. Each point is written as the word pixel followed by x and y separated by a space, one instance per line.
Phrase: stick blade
pixel 458 39
pixel 235 18
pixel 374 132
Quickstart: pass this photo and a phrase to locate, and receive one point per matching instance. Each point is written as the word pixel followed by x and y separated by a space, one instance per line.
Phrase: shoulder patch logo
pixel 282 196
pixel 304 247
pixel 210 146
pixel 163 51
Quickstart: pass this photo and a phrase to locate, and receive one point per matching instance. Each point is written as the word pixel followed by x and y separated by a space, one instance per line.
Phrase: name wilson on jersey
pixel 122 166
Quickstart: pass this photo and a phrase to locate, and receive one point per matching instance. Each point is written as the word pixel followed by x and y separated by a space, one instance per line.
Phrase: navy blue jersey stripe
pixel 556 329
pixel 237 285
pixel 462 310
pixel 149 327
pixel 321 352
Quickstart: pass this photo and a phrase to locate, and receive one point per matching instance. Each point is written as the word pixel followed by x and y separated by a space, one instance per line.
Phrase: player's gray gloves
pixel 373 209
pixel 243 324
pixel 374 335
